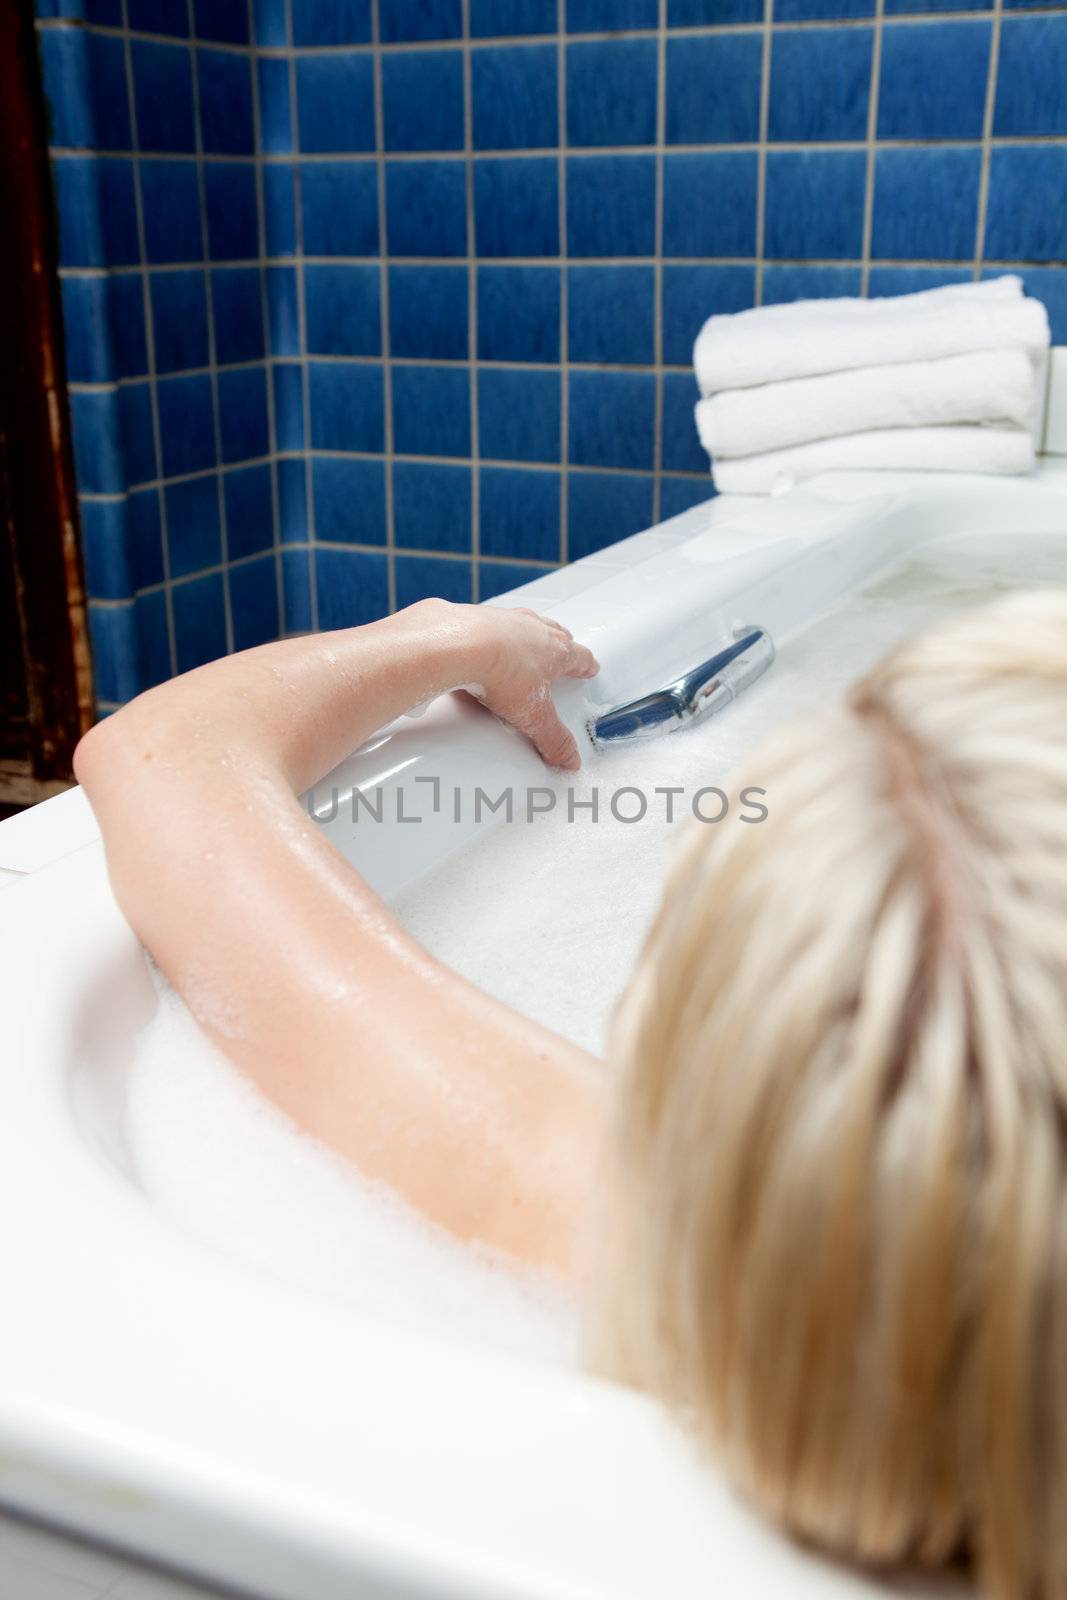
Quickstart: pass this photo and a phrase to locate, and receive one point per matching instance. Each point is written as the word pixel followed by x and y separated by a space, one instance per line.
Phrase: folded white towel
pixel 989 386
pixel 806 337
pixel 948 449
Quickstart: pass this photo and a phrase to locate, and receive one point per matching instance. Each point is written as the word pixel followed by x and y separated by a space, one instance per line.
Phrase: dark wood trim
pixel 38 496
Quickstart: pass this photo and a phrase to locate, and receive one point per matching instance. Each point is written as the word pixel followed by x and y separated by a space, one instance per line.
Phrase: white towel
pixel 806 337
pixel 949 449
pixel 989 386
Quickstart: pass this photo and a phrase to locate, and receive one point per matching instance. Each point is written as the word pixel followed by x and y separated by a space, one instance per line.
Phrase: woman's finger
pixel 581 662
pixel 554 741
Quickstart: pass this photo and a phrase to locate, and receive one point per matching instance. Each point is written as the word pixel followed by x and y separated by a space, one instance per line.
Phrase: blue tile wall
pixel 372 299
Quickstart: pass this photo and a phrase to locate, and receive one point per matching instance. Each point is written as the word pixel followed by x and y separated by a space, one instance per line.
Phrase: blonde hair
pixel 839 1233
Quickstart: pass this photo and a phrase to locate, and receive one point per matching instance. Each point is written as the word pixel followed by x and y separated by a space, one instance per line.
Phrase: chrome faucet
pixel 696 695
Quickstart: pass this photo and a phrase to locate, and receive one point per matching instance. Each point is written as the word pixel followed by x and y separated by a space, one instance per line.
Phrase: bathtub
pixel 161 1399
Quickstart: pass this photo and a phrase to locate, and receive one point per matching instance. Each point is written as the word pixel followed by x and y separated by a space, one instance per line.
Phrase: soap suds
pixel 549 916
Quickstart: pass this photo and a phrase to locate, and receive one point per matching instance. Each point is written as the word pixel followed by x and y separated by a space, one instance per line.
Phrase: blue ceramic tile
pixel 514 97
pixel 194 534
pixel 85 88
pixel 137 431
pixel 426 208
pixel 820 84
pixel 422 100
pixel 335 102
pixel 346 406
pixel 104 13
pixel 709 204
pixel 519 513
pixel 349 500
pixel 103 543
pixel 292 501
pixel 179 319
pixel 611 205
pixel 343 310
pixel 729 114
pixel 270 23
pixel 518 313
pixel 1026 219
pixel 352 586
pixel 1032 76
pixel 159 16
pixel 225 21
pixel 428 313
pixel 680 494
pixel 910 280
pixel 498 577
pixel 495 19
pixel 170 196
pixel 812 10
pixel 199 621
pixel 243 423
pixel 402 20
pixel 599 16
pixel 116 666
pixel 693 294
pixel 232 212
pixel 126 320
pixel 611 92
pixel 275 106
pixel 518 414
pixel 331 22
pixel 432 506
pixel 96 212
pixel 431 411
pixel 86 329
pixel 611 314
pixel 516 206
pixel 279 209
pixel 163 96
pixel 144 538
pixel 785 283
pixel 237 307
pixel 225 84
pixel 680 447
pixel 611 419
pixel 296 581
pixel 603 507
pixel 815 204
pixel 254 602
pixel 153 638
pixel 933 80
pixel 1049 285
pixel 419 577
pixel 288 406
pixel 283 312
pixel 339 206
pixel 696 13
pixel 926 204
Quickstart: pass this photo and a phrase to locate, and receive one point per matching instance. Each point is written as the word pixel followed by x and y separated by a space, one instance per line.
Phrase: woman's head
pixel 840 1241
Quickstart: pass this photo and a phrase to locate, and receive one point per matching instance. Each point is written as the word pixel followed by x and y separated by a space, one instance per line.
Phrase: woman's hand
pixel 517 656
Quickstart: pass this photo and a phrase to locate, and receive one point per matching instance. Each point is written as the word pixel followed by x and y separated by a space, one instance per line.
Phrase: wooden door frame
pixel 36 455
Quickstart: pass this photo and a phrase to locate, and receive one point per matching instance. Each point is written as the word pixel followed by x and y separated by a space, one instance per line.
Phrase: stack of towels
pixel 947 380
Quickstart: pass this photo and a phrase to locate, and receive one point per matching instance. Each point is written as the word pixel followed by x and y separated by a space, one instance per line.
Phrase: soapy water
pixel 549 916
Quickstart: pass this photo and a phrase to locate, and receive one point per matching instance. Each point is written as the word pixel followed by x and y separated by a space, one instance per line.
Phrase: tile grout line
pixel 264 311
pixel 472 306
pixel 384 263
pixel 657 268
pixel 873 93
pixel 564 284
pixel 150 347
pixel 988 115
pixel 761 147
pixel 301 311
pixel 213 373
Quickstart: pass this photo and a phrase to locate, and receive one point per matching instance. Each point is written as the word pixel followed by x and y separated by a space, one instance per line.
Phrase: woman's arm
pixel 299 973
